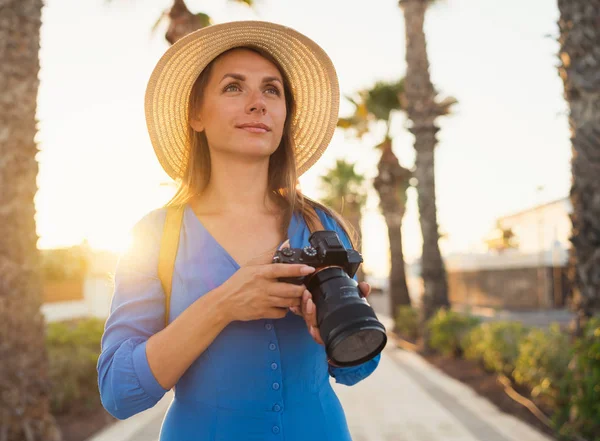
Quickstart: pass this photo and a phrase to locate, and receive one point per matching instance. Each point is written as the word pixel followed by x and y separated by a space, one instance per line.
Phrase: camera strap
pixel 169 244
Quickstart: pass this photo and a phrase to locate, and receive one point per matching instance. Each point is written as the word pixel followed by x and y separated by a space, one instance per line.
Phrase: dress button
pixel 272 346
pixel 275 429
pixel 268 326
pixel 275 386
pixel 274 366
pixel 276 408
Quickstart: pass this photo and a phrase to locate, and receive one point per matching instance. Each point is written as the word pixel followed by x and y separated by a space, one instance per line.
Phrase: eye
pixel 274 90
pixel 233 87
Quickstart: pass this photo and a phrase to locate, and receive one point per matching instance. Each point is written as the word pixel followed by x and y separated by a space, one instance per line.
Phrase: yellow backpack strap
pixel 168 252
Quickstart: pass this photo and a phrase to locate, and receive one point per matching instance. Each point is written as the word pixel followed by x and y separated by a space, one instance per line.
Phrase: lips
pixel 255 127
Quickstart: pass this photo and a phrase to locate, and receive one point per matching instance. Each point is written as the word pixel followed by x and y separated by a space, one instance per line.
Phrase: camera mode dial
pixel 309 252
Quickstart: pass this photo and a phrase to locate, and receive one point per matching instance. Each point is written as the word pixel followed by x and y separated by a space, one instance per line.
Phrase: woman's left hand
pixel 309 311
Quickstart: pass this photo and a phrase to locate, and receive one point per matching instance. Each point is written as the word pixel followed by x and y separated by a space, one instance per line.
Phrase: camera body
pixel 325 250
pixel 348 325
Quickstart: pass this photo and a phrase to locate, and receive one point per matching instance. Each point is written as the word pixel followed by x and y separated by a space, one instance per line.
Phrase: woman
pixel 236 112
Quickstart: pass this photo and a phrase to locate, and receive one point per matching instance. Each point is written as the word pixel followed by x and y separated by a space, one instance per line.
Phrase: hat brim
pixel 311 74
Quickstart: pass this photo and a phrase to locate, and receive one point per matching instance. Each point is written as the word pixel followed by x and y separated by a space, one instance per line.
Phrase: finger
pixel 276 313
pixel 277 270
pixel 305 296
pixel 311 313
pixel 365 288
pixel 316 335
pixel 285 302
pixel 282 289
pixel 296 310
pixel 285 244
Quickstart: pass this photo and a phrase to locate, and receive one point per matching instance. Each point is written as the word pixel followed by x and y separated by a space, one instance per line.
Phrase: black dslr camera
pixel 347 323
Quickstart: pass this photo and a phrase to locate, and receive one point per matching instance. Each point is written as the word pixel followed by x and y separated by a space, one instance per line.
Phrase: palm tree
pixel 344 192
pixel 379 104
pixel 24 406
pixel 391 183
pixel 422 109
pixel 579 55
pixel 182 21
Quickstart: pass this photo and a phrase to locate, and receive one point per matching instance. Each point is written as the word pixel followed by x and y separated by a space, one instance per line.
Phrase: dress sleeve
pixel 348 376
pixel 126 383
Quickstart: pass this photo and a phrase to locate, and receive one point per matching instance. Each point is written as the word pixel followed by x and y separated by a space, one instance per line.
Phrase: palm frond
pixel 384 98
pixel 164 15
pixel 249 3
pixel 343 185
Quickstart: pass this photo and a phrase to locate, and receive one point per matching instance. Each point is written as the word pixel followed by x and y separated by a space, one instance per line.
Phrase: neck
pixel 237 187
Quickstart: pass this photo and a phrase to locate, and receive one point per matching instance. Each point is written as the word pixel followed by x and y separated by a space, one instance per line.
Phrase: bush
pixel 407 322
pixel 495 344
pixel 447 329
pixel 64 263
pixel 73 350
pixel 581 414
pixel 543 362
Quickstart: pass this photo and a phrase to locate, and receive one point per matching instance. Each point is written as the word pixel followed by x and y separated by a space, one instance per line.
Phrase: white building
pixel 542 228
pixel 540 238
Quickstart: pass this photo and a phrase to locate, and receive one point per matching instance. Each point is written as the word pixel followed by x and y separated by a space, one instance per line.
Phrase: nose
pixel 257 104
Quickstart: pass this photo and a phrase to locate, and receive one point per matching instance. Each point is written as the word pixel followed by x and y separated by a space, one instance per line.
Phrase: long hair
pixel 282 174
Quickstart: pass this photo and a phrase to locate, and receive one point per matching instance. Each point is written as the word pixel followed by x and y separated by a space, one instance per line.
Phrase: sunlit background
pixel 507 137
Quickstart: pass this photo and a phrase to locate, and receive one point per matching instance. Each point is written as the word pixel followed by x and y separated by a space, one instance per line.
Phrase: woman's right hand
pixel 254 292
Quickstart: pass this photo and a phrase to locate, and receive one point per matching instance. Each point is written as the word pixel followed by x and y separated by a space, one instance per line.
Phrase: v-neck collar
pixel 188 210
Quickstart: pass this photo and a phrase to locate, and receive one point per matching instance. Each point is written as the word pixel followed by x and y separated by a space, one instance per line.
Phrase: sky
pixel 507 137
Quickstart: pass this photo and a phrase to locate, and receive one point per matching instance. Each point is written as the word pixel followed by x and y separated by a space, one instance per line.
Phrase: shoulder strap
pixel 170 243
pixel 168 252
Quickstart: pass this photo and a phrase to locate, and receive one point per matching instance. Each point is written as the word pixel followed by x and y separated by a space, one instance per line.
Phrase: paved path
pixel 537 318
pixel 405 399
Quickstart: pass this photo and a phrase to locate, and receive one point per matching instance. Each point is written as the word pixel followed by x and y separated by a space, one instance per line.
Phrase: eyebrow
pixel 241 77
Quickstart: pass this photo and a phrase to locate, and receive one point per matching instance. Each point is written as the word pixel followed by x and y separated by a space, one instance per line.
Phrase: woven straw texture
pixel 311 73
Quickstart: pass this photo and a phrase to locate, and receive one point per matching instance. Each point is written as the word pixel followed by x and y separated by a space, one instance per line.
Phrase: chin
pixel 254 150
pixel 260 147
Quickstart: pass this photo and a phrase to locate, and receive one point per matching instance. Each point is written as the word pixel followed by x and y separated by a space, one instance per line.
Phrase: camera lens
pixel 347 323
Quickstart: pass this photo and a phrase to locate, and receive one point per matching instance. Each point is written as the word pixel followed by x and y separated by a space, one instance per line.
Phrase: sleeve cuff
pixel 144 374
pixel 349 376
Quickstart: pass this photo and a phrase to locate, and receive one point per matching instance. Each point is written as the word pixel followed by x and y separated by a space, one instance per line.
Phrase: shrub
pixel 63 263
pixel 581 413
pixel 543 362
pixel 495 344
pixel 447 329
pixel 73 350
pixel 407 322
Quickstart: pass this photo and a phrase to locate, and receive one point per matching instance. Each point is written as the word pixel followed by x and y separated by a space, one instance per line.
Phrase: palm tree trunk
pixel 24 388
pixel 391 184
pixel 422 111
pixel 182 22
pixel 580 57
pixel 399 295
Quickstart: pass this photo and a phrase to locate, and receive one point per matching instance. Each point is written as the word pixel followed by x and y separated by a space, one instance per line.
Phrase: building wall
pixel 96 292
pixel 533 276
pixel 510 288
pixel 62 290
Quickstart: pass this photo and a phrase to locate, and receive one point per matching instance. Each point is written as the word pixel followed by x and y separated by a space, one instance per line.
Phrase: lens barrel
pixel 348 325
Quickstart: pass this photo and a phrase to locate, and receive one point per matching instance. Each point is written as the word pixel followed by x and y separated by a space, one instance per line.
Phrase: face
pixel 243 106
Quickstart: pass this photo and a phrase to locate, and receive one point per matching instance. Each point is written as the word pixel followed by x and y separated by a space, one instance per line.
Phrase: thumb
pixel 285 244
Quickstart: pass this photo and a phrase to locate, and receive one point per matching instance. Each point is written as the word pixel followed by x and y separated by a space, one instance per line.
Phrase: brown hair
pixel 282 175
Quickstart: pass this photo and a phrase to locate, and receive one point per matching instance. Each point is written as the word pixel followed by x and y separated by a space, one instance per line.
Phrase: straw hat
pixel 310 71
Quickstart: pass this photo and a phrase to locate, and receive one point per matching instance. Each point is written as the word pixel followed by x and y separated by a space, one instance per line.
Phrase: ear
pixel 197 124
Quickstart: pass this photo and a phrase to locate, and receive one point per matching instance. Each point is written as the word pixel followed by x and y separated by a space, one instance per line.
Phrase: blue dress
pixel 258 380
